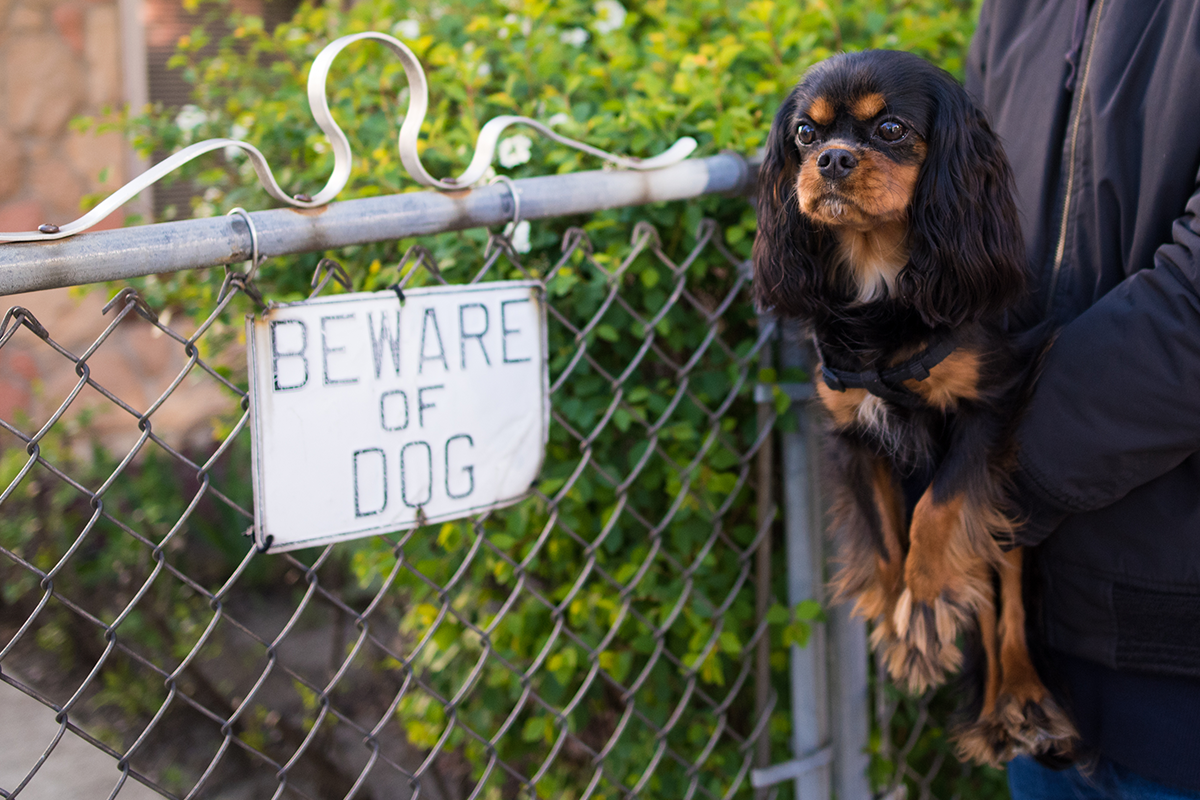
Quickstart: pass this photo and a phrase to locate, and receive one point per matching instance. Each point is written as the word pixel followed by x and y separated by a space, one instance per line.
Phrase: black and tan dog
pixel 887 226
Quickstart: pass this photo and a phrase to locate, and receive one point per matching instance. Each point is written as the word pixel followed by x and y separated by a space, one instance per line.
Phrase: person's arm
pixel 1118 403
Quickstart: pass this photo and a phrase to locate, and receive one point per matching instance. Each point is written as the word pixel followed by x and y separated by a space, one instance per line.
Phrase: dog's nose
pixel 836 163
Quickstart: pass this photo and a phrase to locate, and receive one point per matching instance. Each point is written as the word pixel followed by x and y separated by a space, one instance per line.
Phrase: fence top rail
pixel 195 243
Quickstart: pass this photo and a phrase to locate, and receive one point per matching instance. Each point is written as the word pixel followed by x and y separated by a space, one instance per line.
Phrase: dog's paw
pixel 1040 726
pixel 925 649
pixel 986 742
pixel 1018 726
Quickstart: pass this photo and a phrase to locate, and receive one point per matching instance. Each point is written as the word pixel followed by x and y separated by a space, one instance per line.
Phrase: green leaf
pixel 781 400
pixel 809 610
pixel 532 730
pixel 797 633
pixel 607 332
pixel 729 643
pixel 777 614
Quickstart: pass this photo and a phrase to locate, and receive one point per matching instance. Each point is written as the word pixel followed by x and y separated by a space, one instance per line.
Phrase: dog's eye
pixel 891 131
pixel 807 134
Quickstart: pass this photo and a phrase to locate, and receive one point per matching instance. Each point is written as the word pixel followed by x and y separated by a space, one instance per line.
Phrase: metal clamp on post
pixel 506 233
pixel 244 281
pixel 796 392
pixel 255 256
pixel 790 770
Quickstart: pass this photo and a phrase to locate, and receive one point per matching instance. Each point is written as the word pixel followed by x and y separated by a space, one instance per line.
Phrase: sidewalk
pixel 76 770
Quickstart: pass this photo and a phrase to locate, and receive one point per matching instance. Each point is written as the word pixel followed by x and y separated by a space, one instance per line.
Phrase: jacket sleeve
pixel 1118 403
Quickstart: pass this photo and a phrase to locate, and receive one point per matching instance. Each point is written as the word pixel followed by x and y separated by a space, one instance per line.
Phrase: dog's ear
pixel 786 275
pixel 966 253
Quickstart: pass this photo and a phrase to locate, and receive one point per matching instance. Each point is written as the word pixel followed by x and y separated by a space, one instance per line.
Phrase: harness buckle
pixel 918 371
pixel 831 379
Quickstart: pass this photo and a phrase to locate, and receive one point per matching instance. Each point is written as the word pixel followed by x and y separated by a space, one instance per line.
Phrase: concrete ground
pixel 75 770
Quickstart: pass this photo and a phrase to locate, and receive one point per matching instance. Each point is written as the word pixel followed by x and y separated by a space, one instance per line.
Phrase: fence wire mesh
pixel 596 640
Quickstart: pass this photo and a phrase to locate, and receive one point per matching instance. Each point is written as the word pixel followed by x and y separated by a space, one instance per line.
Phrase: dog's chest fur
pixel 863 412
pixel 872 260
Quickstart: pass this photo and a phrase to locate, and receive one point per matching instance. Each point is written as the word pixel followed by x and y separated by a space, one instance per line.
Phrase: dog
pixel 887 227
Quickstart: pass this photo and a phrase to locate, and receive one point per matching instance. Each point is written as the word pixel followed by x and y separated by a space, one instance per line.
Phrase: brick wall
pixel 58 60
pixel 61 59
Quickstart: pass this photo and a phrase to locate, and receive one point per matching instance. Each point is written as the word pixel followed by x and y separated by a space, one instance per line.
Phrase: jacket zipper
pixel 1081 90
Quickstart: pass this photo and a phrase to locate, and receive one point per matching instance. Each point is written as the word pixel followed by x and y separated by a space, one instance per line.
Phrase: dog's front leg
pixel 1018 716
pixel 868 527
pixel 946 584
pixel 952 550
pixel 1025 709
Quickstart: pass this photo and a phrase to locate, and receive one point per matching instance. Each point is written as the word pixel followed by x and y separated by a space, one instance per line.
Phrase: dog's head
pixel 882 181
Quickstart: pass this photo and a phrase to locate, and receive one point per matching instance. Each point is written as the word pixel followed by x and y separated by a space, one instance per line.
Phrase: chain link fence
pixel 596 640
pixel 619 633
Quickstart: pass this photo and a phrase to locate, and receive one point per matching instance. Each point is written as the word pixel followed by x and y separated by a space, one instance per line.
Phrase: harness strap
pixel 888 384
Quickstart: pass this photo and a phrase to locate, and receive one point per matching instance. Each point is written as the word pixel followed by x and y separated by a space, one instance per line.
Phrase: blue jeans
pixel 1029 780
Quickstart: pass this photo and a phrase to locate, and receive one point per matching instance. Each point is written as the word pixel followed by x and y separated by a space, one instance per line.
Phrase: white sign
pixel 370 415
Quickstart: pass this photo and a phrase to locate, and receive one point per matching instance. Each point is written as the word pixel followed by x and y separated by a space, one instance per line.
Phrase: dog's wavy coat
pixel 887 225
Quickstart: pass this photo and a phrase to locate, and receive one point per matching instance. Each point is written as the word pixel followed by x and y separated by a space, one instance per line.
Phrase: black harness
pixel 888 384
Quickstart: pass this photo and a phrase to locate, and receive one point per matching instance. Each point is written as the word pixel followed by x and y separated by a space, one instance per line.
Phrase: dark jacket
pixel 1106 177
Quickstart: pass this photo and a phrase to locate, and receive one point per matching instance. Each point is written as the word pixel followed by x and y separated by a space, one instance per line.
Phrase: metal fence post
pixel 830 698
pixel 850 698
pixel 805 571
pixel 765 468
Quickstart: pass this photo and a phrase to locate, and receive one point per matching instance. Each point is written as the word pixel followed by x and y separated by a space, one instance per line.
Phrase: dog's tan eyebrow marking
pixel 821 111
pixel 868 106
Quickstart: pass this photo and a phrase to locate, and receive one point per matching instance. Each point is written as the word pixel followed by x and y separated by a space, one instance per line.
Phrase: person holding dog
pixel 1097 103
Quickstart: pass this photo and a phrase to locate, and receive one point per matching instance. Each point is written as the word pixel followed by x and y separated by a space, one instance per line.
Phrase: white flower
pixel 520 237
pixel 561 118
pixel 190 117
pixel 514 150
pixel 407 29
pixel 510 21
pixel 484 70
pixel 574 36
pixel 610 15
pixel 237 132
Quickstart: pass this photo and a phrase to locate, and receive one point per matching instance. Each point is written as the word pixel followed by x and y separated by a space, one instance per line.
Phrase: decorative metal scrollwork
pixel 418 105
